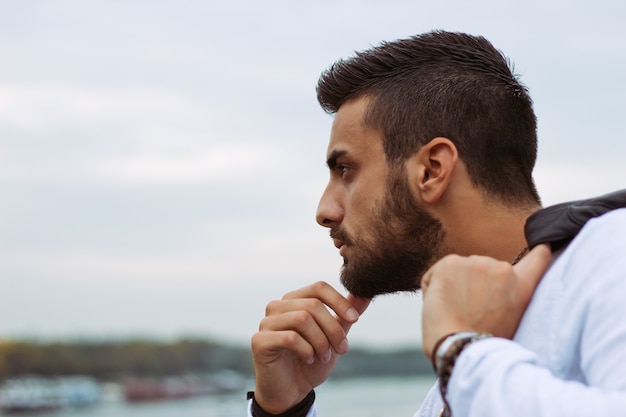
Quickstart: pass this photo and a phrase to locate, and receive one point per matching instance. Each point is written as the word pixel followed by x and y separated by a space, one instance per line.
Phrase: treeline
pixel 363 362
pixel 112 360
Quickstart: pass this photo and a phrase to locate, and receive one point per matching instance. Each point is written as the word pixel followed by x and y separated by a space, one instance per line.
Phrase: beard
pixel 406 241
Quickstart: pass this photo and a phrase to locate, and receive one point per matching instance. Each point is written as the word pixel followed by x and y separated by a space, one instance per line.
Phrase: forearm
pixel 498 377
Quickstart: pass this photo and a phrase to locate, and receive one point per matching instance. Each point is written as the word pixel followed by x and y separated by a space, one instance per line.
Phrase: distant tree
pixel 111 360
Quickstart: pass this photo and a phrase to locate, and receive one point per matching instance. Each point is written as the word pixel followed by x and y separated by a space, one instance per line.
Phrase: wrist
pixel 276 404
pixel 448 348
pixel 446 353
pixel 300 409
pixel 432 354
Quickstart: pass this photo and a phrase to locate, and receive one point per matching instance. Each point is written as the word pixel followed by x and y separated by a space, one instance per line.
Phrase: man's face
pixel 386 239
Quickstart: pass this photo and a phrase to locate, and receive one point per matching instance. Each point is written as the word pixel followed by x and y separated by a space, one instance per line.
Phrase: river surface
pixel 371 397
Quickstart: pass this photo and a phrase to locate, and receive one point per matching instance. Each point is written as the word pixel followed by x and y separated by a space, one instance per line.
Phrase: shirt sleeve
pixel 498 377
pixel 432 403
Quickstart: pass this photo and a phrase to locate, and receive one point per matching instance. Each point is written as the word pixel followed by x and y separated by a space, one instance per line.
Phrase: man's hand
pixel 299 341
pixel 478 294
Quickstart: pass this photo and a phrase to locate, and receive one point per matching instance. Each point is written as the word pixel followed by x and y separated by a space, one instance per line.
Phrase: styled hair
pixel 446 84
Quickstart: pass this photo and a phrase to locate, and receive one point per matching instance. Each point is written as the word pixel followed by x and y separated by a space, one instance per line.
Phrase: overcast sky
pixel 161 161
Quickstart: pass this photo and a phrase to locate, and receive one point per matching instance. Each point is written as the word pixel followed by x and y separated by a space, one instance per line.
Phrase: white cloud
pixel 224 163
pixel 44 107
pixel 560 182
pixel 122 137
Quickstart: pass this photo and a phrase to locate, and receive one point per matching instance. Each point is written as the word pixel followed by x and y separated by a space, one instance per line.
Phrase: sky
pixel 161 161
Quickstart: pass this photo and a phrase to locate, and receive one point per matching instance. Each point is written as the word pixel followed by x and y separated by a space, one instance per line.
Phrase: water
pixel 376 397
pixel 372 397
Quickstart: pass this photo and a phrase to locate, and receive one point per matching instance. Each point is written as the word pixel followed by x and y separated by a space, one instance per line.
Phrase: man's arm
pixel 478 294
pixel 299 342
pixel 496 377
pixel 584 343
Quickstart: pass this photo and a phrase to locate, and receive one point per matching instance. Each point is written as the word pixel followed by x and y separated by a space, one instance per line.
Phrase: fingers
pixel 306 348
pixel 360 304
pixel 330 297
pixel 447 262
pixel 531 268
pixel 479 293
pixel 313 321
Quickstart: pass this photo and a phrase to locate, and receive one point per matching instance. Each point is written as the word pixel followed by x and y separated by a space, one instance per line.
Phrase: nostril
pixel 325 222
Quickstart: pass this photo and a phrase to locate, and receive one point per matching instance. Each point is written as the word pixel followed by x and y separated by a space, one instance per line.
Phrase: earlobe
pixel 436 163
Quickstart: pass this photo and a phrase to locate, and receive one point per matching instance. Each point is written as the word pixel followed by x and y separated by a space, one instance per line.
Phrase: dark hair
pixel 445 84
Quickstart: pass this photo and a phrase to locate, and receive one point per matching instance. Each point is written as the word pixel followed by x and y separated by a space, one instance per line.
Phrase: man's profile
pixel 431 156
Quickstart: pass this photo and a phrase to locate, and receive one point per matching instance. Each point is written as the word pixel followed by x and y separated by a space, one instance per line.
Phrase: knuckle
pixel 301 318
pixel 290 339
pixel 289 295
pixel 451 262
pixel 311 304
pixel 498 270
pixel 449 259
pixel 321 345
pixel 502 268
pixel 336 333
pixel 256 341
pixel 271 307
pixel 319 286
pixel 480 265
pixel 264 324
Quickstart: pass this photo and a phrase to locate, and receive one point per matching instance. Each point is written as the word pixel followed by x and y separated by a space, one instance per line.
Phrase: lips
pixel 341 245
pixel 340 240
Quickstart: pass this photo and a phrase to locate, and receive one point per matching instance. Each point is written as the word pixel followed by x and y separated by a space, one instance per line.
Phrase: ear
pixel 431 168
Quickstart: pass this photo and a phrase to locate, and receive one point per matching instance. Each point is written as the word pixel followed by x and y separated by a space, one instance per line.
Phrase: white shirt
pixel 568 357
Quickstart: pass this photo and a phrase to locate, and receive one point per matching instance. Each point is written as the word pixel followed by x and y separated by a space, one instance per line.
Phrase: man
pixel 431 153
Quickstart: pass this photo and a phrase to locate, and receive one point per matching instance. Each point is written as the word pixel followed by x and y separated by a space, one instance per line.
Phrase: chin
pixel 372 287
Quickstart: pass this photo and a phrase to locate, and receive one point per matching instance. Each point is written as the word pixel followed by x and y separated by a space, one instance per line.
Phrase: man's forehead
pixel 347 135
pixel 350 136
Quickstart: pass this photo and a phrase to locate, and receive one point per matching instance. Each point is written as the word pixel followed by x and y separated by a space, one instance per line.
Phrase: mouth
pixel 340 240
pixel 341 245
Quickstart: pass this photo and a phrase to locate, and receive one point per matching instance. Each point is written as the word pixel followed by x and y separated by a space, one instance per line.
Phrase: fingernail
pixel 343 346
pixel 327 356
pixel 311 360
pixel 352 314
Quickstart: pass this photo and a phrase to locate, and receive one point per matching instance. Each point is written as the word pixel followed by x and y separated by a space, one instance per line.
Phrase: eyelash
pixel 343 169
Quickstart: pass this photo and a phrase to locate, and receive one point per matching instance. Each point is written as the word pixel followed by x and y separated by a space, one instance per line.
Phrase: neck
pixel 488 230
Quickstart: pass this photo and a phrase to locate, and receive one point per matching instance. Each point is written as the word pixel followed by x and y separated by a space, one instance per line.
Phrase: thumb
pixel 360 304
pixel 531 268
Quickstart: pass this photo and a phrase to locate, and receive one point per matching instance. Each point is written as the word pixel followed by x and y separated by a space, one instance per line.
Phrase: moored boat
pixel 36 393
pixel 138 389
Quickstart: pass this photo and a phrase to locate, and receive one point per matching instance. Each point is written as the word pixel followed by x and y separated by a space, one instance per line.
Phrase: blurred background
pixel 161 161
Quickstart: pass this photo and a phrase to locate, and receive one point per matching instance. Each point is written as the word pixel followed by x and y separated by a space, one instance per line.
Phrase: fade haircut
pixel 446 84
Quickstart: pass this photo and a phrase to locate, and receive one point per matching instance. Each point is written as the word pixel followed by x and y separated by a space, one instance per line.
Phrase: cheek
pixel 365 200
pixel 361 213
pixel 363 203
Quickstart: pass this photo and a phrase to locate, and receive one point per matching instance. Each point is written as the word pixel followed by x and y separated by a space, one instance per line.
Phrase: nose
pixel 329 210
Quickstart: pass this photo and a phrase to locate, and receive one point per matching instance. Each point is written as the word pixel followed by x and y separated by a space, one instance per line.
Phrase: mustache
pixel 340 234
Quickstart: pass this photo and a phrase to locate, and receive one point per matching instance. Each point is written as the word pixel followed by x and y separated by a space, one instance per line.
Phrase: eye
pixel 344 170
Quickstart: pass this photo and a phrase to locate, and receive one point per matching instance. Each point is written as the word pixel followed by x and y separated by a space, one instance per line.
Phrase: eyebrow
pixel 332 159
